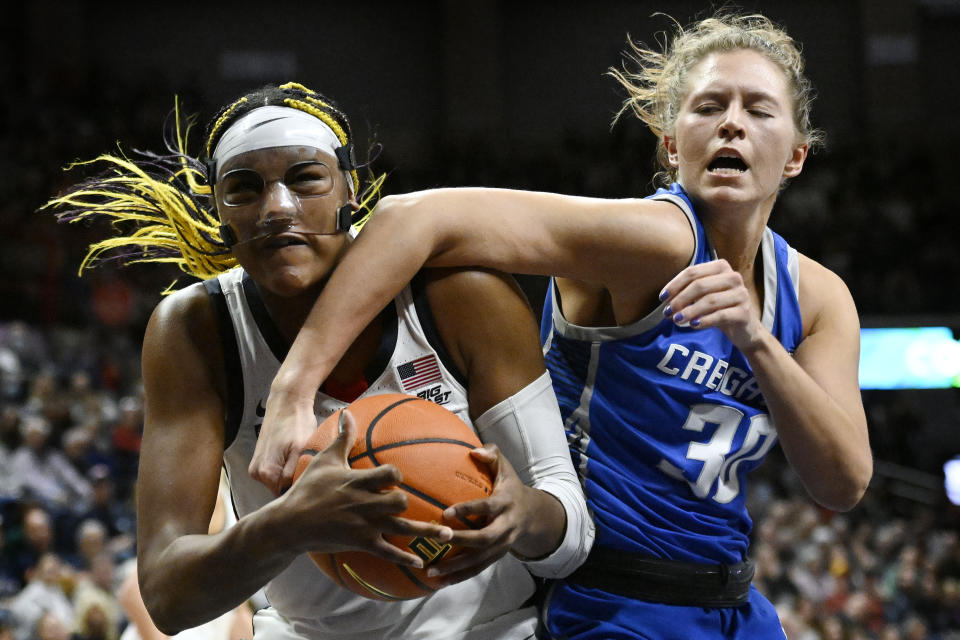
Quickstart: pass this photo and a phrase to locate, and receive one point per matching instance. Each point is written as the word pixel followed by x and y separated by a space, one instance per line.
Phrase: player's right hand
pixel 333 507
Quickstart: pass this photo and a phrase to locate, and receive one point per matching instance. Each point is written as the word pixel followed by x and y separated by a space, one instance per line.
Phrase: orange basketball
pixel 430 446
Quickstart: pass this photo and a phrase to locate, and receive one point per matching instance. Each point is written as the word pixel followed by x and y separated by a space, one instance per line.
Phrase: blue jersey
pixel 665 421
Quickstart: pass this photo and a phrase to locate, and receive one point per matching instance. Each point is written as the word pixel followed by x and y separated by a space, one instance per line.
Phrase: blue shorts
pixel 572 612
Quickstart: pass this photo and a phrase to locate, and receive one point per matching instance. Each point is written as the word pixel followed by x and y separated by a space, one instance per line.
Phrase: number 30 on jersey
pixel 717 462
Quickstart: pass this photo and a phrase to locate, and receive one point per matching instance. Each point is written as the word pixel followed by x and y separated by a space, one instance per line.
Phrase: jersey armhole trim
pixel 418 287
pixel 692 220
pixel 388 344
pixel 265 324
pixel 793 266
pixel 770 280
pixel 233 371
pixel 567 329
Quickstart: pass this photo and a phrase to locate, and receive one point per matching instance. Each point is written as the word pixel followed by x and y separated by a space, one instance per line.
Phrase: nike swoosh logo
pixel 261 410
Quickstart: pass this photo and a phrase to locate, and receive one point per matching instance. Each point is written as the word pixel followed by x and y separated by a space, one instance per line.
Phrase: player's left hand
pixel 286 427
pixel 504 512
pixel 712 294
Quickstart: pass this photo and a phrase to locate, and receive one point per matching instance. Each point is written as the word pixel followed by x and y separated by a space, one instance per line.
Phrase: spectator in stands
pixel 127 433
pixel 10 581
pixel 98 613
pixel 116 515
pixel 51 627
pixel 45 400
pixel 78 447
pixel 91 543
pixel 44 594
pixel 10 427
pixel 9 485
pixel 7 625
pixel 11 374
pixel 29 346
pixel 30 541
pixel 915 628
pixel 44 473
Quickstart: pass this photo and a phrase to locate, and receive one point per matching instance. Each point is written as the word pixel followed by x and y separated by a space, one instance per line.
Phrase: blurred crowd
pixel 70 427
pixel 887 570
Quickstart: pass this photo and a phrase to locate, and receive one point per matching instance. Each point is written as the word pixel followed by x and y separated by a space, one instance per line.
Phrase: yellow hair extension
pixel 297 85
pixel 369 200
pixel 310 105
pixel 192 176
pixel 328 120
pixel 219 123
pixel 169 222
pixel 318 101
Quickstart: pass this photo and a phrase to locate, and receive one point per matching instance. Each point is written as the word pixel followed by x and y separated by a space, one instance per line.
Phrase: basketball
pixel 430 446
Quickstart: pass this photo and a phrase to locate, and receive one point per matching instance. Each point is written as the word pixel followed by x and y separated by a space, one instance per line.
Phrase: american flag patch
pixel 419 372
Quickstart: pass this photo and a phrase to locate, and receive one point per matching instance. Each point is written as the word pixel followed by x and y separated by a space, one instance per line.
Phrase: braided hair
pixel 161 206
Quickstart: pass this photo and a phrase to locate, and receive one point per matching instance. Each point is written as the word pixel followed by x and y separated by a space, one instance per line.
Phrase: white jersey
pixel 411 359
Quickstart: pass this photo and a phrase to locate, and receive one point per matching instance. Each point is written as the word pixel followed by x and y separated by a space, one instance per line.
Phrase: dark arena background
pixel 508 94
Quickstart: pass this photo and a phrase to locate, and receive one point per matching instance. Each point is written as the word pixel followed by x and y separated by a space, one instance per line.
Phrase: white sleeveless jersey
pixel 411 359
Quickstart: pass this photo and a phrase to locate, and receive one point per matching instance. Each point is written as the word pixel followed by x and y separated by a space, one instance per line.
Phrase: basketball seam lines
pixel 403 443
pixel 373 423
pixel 393 445
pixel 415 580
pixel 427 498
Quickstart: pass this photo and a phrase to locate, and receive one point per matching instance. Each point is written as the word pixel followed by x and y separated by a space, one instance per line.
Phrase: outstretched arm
pixel 587 239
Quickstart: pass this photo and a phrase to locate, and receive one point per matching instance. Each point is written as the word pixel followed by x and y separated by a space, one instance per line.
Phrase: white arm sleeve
pixel 529 431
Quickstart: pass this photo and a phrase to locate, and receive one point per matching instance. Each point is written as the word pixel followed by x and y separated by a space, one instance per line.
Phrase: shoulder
pixel 656 239
pixel 187 312
pixel 824 297
pixel 483 316
pixel 476 303
pixel 183 328
pixel 657 235
pixel 470 287
pixel 655 228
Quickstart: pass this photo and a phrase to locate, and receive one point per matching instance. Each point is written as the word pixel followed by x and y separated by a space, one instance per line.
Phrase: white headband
pixel 273 126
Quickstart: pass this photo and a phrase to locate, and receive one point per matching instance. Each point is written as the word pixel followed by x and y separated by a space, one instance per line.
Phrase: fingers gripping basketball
pixel 431 448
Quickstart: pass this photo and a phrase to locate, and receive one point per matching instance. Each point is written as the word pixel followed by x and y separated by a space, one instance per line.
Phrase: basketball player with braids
pixel 278 167
pixel 683 336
